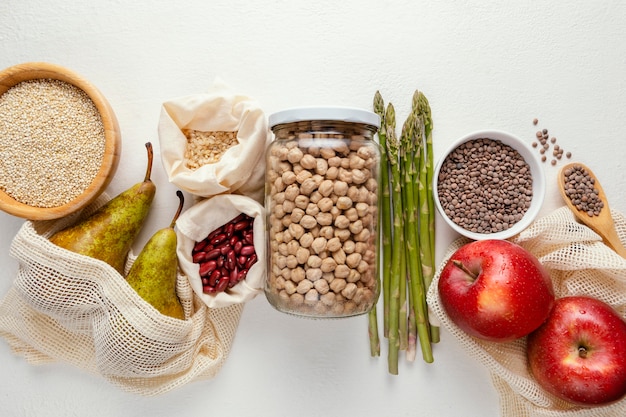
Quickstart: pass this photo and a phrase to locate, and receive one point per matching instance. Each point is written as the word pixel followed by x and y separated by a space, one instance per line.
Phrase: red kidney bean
pixel 251 261
pixel 212 254
pixel 207 267
pixel 218 239
pixel 199 247
pixel 198 257
pixel 215 276
pixel 229 229
pixel 222 284
pixel 225 249
pixel 226 254
pixel 247 250
pixel 232 279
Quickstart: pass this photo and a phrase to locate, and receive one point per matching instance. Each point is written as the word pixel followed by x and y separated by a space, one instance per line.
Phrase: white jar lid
pixel 330 113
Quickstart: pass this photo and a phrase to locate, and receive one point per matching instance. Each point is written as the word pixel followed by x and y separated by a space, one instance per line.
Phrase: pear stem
pixel 150 158
pixel 463 268
pixel 180 208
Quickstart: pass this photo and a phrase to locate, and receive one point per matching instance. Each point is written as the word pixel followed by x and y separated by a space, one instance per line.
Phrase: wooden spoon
pixel 601 224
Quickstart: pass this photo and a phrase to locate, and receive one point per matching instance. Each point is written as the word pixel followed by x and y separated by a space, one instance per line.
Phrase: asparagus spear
pixel 412 144
pixel 427 204
pixel 398 242
pixel 385 215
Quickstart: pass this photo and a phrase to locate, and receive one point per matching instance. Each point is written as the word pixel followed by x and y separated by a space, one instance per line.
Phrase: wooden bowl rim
pixel 12 76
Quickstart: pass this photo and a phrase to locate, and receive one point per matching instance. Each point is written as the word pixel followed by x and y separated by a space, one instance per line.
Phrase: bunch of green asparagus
pixel 407 227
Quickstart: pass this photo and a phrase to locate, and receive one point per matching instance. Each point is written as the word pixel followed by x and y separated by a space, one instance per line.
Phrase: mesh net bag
pixel 579 264
pixel 65 307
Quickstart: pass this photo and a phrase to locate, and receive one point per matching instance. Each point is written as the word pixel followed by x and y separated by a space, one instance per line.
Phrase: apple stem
pixel 463 268
pixel 582 352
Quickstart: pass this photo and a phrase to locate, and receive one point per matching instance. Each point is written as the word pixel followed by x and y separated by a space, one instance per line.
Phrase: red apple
pixel 495 290
pixel 579 353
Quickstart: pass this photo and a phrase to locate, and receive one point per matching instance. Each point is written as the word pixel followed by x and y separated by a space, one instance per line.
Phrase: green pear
pixel 153 274
pixel 109 233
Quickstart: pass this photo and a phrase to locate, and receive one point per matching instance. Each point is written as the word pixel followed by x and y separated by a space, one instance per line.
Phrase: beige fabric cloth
pixel 64 307
pixel 579 264
pixel 241 169
pixel 204 217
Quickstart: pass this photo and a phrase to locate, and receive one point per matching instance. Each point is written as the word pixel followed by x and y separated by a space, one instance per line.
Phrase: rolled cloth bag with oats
pixel 214 143
pixel 579 264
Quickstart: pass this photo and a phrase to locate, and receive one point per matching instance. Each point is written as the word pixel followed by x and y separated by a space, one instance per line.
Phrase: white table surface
pixel 482 66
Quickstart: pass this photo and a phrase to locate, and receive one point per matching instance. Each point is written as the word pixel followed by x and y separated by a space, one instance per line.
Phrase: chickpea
pixel 342 222
pixel 314 261
pixel 291 261
pixel 307 187
pixel 291 192
pixel 313 274
pixel 311 296
pixel 337 285
pixel 339 256
pixel 312 209
pixel 302 255
pixel 303 176
pixel 349 291
pixel 321 286
pixel 345 175
pixel 334 161
pixel 294 155
pixel 325 188
pixel 356 162
pixel 353 259
pixel 327 153
pixel 296 215
pixel 297 275
pixel 304 286
pixel 327 232
pixel 308 161
pixel 324 219
pixel 306 240
pixel 332 173
pixel 321 166
pixel 290 287
pixel 328 265
pixel 319 245
pixel 344 202
pixel 325 204
pixel 309 222
pixel 333 244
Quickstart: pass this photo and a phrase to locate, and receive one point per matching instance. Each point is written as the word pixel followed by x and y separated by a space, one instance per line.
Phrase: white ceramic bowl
pixel 538 177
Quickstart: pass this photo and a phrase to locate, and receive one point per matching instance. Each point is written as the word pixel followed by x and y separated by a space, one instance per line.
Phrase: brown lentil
pixel 580 189
pixel 207 147
pixel 485 186
pixel 52 142
pixel 545 140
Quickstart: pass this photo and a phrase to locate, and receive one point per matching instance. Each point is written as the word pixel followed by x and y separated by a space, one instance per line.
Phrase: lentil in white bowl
pixel 489 185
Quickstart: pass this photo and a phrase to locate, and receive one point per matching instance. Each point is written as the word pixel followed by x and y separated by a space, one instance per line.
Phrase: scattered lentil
pixel 580 189
pixel 52 142
pixel 485 186
pixel 207 147
pixel 545 140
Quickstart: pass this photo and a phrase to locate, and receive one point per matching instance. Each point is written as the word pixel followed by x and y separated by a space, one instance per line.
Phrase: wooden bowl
pixel 12 76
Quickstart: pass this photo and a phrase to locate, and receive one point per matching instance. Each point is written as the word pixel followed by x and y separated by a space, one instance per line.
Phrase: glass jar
pixel 321 199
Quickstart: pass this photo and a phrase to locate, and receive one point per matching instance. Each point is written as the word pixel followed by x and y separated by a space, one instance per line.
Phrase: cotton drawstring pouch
pixel 69 308
pixel 198 222
pixel 579 263
pixel 241 168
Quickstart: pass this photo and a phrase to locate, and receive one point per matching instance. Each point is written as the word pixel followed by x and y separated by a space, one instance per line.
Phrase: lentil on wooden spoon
pixel 584 195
